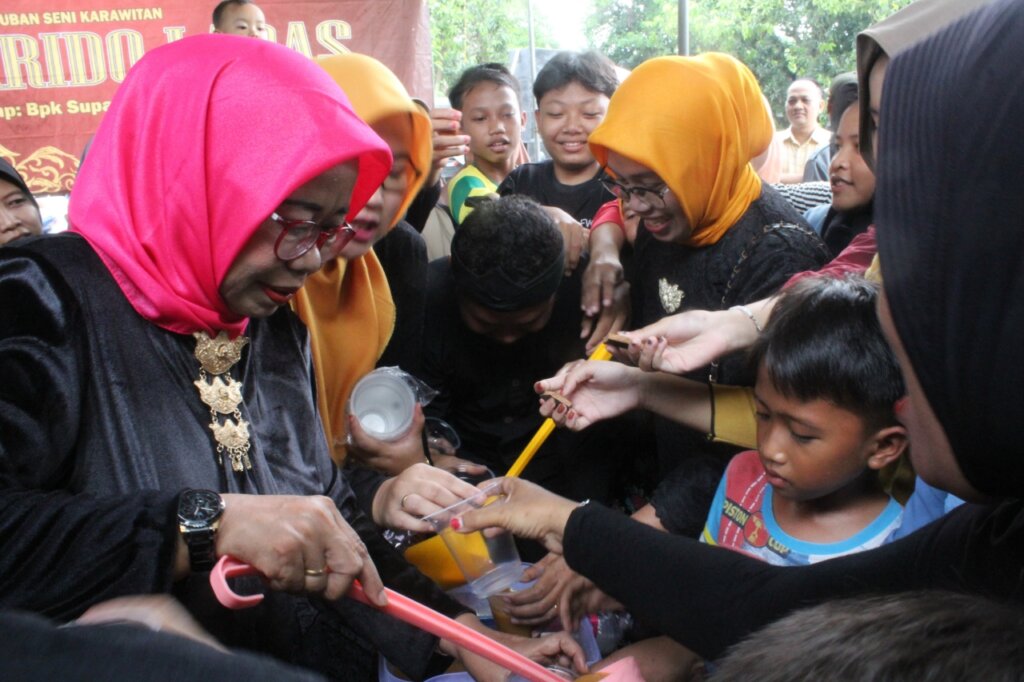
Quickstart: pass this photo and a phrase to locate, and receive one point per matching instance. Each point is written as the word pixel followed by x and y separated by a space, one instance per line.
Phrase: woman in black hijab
pixel 952 253
pixel 19 212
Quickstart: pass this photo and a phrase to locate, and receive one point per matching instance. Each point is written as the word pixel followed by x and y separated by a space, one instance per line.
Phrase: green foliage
pixel 632 31
pixel 780 40
pixel 469 32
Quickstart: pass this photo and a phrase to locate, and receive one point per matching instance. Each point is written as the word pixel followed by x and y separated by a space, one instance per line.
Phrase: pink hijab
pixel 204 139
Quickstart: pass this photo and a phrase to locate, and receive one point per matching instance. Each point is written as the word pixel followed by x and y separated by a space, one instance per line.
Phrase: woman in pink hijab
pixel 148 360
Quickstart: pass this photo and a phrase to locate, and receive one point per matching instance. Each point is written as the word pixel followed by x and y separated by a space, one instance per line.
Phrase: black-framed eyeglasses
pixel 299 236
pixel 651 196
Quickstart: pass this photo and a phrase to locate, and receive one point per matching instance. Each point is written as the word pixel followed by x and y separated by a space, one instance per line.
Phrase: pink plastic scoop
pixel 401 607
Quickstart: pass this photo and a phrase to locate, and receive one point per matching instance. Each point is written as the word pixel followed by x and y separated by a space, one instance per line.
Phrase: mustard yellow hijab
pixel 347 305
pixel 696 122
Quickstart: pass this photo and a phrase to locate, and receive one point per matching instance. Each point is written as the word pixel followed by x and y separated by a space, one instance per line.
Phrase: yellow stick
pixel 600 353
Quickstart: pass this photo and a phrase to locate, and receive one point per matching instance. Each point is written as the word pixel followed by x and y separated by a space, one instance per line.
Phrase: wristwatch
pixel 199 513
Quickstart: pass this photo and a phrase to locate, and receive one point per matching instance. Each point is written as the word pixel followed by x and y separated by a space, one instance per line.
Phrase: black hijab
pixel 11 175
pixel 950 217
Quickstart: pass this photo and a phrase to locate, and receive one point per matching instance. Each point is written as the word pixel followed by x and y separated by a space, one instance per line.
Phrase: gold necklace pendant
pixel 671 295
pixel 223 395
pixel 217 355
pixel 234 439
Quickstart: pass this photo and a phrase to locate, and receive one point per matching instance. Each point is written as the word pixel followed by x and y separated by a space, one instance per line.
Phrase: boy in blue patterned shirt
pixel 827 393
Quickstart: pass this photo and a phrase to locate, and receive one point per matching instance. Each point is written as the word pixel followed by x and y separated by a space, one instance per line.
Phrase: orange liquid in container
pixel 433 559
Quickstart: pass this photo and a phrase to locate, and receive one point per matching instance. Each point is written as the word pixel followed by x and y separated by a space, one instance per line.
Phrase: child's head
pixel 853 183
pixel 905 636
pixel 239 17
pixel 488 97
pixel 507 261
pixel 827 384
pixel 572 93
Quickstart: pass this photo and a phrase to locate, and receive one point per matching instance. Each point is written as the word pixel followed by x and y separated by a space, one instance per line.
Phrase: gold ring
pixel 402 502
pixel 316 572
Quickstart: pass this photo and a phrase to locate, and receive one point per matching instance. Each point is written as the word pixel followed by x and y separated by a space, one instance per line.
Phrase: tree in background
pixel 632 31
pixel 470 32
pixel 780 40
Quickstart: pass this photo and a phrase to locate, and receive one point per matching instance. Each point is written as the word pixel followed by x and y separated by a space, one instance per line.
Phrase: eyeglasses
pixel 651 196
pixel 299 236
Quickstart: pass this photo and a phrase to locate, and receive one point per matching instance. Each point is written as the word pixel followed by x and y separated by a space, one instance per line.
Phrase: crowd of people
pixel 797 464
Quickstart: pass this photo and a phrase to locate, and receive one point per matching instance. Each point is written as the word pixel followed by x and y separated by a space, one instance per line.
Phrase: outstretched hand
pixel 574 235
pixel 611 318
pixel 689 340
pixel 538 604
pixel 579 597
pixel 557 648
pixel 598 390
pixel 528 511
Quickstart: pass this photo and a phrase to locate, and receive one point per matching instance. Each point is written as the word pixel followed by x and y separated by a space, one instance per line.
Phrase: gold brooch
pixel 219 354
pixel 223 395
pixel 671 295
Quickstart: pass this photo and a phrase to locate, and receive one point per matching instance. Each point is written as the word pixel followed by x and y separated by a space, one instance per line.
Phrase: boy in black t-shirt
pixel 572 93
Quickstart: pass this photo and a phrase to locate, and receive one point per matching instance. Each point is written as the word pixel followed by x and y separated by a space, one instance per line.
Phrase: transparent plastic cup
pixel 503 619
pixel 487 558
pixel 383 403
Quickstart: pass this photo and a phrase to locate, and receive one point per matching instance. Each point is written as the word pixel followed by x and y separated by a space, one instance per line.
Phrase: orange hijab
pixel 347 305
pixel 696 122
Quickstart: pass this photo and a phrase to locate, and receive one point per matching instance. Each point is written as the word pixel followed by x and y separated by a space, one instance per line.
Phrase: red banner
pixel 61 61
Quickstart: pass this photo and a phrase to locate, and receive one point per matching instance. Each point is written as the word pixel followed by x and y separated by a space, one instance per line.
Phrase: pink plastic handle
pixel 230 567
pixel 401 607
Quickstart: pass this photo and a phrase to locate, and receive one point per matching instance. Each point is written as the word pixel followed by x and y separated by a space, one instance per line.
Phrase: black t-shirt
pixel 537 181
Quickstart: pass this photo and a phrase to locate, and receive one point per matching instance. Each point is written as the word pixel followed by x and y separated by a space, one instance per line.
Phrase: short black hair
pixel 842 94
pixel 908 636
pixel 592 70
pixel 823 341
pixel 513 231
pixel 492 72
pixel 218 11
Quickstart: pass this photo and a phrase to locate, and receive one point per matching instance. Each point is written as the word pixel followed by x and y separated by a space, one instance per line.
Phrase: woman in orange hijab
pixel 348 305
pixel 677 141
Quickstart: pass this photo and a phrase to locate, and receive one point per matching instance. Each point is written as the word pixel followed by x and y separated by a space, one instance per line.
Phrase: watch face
pixel 199 507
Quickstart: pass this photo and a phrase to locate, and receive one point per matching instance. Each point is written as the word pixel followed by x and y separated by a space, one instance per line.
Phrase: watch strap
pixel 201 553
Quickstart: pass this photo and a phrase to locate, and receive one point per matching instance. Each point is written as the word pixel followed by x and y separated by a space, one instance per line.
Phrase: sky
pixel 567 17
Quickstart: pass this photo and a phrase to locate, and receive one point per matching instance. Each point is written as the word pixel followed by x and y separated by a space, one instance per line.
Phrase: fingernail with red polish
pixel 538 388
pixel 456 523
pixel 560 409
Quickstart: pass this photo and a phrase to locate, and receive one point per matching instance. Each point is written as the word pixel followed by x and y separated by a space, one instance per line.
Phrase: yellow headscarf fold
pixel 347 306
pixel 696 122
pixel 376 94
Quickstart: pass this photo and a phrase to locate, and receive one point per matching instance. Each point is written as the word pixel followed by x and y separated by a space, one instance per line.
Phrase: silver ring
pixel 316 572
pixel 402 502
